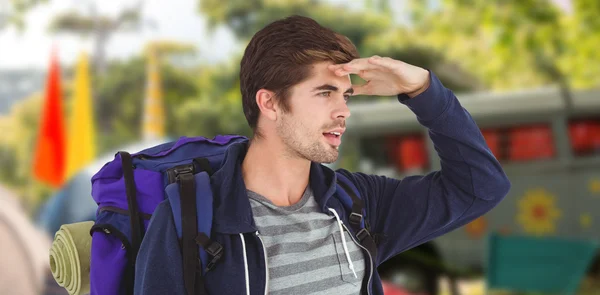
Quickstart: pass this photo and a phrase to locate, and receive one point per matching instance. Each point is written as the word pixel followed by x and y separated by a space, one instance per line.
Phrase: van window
pixel 521 143
pixel 493 138
pixel 403 153
pixel 584 136
pixel 408 153
pixel 531 142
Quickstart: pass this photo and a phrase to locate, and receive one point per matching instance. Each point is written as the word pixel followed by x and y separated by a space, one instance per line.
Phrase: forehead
pixel 320 74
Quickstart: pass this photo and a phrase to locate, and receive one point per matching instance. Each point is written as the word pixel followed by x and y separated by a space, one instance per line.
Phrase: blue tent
pixel 74 203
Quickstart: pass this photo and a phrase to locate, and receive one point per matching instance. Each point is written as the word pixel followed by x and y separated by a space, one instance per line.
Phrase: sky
pixel 175 20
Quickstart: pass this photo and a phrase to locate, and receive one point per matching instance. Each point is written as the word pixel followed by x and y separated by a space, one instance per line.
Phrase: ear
pixel 265 99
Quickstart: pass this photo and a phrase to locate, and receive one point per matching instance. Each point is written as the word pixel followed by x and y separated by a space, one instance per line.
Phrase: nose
pixel 342 110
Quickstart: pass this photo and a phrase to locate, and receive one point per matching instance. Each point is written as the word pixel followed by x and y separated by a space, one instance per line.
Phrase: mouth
pixel 334 138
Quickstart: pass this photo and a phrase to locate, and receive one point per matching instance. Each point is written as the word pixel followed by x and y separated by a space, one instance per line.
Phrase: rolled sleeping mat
pixel 70 257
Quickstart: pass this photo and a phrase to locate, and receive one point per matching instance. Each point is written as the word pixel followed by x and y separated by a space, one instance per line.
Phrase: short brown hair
pixel 280 55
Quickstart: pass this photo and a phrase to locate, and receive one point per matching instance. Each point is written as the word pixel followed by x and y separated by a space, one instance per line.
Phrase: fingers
pixel 385 62
pixel 365 74
pixel 354 67
pixel 362 65
pixel 342 70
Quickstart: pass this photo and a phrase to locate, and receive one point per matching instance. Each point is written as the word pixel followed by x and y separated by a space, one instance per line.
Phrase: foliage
pixel 372 31
pixel 514 44
pixel 100 27
pixel 16 149
pixel 218 107
pixel 12 13
pixel 121 96
pixel 77 23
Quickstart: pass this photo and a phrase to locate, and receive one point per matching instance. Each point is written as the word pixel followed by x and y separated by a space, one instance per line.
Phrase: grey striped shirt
pixel 305 250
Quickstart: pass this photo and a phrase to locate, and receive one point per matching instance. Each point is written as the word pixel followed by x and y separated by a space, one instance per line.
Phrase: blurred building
pixel 18 84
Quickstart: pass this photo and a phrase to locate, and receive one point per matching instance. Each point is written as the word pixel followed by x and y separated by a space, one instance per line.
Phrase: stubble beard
pixel 300 143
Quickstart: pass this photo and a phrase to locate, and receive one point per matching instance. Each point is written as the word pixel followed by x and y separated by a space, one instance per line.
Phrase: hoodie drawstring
pixel 245 265
pixel 339 222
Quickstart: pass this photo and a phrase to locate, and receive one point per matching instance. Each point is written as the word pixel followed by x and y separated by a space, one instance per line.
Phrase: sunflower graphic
pixel 538 212
pixel 476 228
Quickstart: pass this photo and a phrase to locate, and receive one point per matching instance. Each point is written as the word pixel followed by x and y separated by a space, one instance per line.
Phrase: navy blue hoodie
pixel 406 212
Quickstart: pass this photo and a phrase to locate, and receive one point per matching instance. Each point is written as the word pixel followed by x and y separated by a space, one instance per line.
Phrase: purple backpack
pixel 129 188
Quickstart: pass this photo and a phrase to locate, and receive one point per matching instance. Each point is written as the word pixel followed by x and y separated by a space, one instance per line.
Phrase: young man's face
pixel 313 127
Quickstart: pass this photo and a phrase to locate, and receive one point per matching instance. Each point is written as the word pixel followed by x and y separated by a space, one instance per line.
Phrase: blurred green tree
pixel 121 97
pixel 12 12
pixel 16 150
pixel 100 27
pixel 581 58
pixel 218 107
pixel 516 44
pixel 372 30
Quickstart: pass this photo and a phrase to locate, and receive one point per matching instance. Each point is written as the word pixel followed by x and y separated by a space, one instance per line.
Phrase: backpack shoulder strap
pixel 135 221
pixel 357 221
pixel 190 195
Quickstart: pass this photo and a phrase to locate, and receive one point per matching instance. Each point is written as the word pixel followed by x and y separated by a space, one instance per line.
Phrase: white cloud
pixel 175 20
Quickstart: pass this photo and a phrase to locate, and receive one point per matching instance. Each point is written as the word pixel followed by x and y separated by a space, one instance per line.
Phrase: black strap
pixel 366 239
pixel 187 192
pixel 357 206
pixel 362 234
pixel 135 219
pixel 191 238
pixel 213 249
pixel 204 165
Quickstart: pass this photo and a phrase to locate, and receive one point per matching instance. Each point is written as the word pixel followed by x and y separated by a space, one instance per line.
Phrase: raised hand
pixel 385 76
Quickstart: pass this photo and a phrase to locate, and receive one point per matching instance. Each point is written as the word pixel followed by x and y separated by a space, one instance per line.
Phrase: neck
pixel 270 171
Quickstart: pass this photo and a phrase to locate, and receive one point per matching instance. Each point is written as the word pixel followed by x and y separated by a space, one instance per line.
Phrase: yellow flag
pixel 81 148
pixel 153 117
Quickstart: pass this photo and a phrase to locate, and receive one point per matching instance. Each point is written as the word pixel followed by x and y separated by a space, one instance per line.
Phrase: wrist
pixel 422 88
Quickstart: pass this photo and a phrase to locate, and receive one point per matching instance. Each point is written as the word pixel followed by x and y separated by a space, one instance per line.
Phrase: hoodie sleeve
pixel 158 267
pixel 416 209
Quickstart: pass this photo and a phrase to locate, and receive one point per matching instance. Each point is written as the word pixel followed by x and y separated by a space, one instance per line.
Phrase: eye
pixel 325 94
pixel 346 97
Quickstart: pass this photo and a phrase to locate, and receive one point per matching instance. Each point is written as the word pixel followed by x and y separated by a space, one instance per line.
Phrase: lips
pixel 337 131
pixel 334 138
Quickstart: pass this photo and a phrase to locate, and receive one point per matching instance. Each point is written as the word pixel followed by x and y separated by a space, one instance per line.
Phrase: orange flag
pixel 49 160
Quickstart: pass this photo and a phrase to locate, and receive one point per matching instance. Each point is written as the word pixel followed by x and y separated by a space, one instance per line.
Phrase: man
pixel 282 228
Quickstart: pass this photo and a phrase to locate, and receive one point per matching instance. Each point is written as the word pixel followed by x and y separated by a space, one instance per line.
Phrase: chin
pixel 328 157
pixel 329 162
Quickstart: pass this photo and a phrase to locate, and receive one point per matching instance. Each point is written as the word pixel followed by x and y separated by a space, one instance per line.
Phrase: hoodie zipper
pixel 266 263
pixel 370 258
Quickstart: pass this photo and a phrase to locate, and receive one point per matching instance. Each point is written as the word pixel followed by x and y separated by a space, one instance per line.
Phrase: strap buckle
pixel 216 251
pixel 175 172
pixel 362 234
pixel 355 218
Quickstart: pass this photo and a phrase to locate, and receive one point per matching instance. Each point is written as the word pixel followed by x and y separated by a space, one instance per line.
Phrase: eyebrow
pixel 332 88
